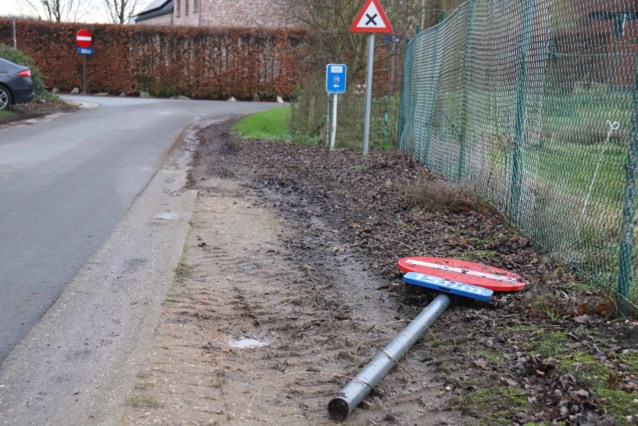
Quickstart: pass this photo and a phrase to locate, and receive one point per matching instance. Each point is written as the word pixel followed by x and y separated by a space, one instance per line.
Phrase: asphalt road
pixel 66 182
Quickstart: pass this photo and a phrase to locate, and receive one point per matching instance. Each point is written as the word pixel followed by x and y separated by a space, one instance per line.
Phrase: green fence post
pixel 519 129
pixel 425 158
pixel 404 79
pixel 629 206
pixel 466 88
pixel 385 121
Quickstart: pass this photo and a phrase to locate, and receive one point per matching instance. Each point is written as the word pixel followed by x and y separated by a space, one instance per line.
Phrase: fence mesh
pixel 534 103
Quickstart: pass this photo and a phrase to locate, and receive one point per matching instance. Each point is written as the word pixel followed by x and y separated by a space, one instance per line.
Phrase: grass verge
pixel 7 114
pixel 270 125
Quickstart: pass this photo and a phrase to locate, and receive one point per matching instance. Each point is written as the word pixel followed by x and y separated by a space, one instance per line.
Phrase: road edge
pixel 78 364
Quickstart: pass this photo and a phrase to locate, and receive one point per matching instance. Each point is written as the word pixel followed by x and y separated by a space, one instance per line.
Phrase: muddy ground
pixel 288 286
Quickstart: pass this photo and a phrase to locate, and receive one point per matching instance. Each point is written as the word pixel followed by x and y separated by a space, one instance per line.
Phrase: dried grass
pixel 441 196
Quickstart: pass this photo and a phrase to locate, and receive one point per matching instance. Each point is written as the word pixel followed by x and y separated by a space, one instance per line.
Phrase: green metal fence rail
pixel 534 104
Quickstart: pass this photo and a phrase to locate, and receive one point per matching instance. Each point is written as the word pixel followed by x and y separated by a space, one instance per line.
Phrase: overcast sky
pixel 20 8
pixel 9 7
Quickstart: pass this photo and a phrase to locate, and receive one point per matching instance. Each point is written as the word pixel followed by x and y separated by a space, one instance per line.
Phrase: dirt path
pixel 289 286
pixel 270 317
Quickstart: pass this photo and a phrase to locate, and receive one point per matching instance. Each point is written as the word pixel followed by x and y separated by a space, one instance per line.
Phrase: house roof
pixel 154 9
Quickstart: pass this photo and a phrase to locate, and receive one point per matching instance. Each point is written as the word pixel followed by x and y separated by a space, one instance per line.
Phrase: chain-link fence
pixel 535 104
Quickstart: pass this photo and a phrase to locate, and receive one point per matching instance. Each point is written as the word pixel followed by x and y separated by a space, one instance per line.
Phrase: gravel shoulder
pixel 288 286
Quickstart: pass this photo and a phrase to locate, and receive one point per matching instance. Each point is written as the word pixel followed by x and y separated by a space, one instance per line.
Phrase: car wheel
pixel 5 98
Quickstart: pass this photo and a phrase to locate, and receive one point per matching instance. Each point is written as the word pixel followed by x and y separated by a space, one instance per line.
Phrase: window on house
pixel 195 6
pixel 186 6
pixel 178 8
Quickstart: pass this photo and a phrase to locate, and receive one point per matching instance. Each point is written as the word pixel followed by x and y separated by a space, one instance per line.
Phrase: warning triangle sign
pixel 371 19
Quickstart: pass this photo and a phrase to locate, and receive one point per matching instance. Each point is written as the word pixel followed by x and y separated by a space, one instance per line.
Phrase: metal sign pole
pixel 327 120
pixel 334 122
pixel 15 36
pixel 336 80
pixel 366 124
pixel 84 74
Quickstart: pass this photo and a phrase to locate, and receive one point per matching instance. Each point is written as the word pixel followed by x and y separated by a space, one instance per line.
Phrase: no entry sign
pixel 83 38
pixel 461 271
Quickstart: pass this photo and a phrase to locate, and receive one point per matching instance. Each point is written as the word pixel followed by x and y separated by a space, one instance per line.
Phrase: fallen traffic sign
pixel 452 287
pixel 461 271
pixel 350 396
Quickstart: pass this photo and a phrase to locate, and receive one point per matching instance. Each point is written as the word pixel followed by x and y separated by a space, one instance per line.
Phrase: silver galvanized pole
pixel 350 396
pixel 15 35
pixel 84 74
pixel 366 124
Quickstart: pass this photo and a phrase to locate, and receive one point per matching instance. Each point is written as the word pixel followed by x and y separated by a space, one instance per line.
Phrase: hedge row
pixel 165 61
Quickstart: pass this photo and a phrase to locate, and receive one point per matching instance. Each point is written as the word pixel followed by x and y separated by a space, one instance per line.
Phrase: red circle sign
pixel 464 272
pixel 83 38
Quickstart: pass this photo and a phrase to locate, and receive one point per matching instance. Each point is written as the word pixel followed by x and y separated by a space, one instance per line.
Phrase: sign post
pixel 336 76
pixel 371 19
pixel 83 39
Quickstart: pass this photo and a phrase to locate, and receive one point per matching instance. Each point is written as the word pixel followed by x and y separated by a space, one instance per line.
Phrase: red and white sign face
pixel 83 38
pixel 461 271
pixel 371 19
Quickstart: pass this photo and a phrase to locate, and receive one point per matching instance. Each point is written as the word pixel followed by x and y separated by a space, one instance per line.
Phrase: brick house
pixel 259 14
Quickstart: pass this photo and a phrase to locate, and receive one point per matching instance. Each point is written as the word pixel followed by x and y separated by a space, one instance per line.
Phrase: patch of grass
pixel 143 402
pixel 272 124
pixel 549 343
pixel 174 294
pixel 495 406
pixel 481 256
pixel 181 272
pixel 177 291
pixel 495 357
pixel 7 114
pixel 604 381
pixel 544 306
pixel 143 386
pixel 598 375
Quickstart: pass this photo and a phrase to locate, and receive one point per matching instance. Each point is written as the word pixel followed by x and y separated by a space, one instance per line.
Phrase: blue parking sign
pixel 336 78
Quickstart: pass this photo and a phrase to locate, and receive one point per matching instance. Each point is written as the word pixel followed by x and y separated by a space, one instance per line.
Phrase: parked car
pixel 16 86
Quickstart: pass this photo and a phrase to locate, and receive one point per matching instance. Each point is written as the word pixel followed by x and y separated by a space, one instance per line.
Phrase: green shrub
pixel 21 58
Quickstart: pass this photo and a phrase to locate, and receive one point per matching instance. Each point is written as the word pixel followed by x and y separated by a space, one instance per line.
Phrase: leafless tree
pixel 330 20
pixel 56 10
pixel 120 11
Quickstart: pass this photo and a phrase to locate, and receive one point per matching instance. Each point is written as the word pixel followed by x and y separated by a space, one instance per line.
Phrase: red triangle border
pixel 384 18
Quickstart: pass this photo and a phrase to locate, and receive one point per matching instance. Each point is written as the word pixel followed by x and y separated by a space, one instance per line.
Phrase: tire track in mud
pixel 271 315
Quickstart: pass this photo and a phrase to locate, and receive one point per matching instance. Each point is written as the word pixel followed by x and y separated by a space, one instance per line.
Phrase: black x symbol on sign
pixel 371 19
